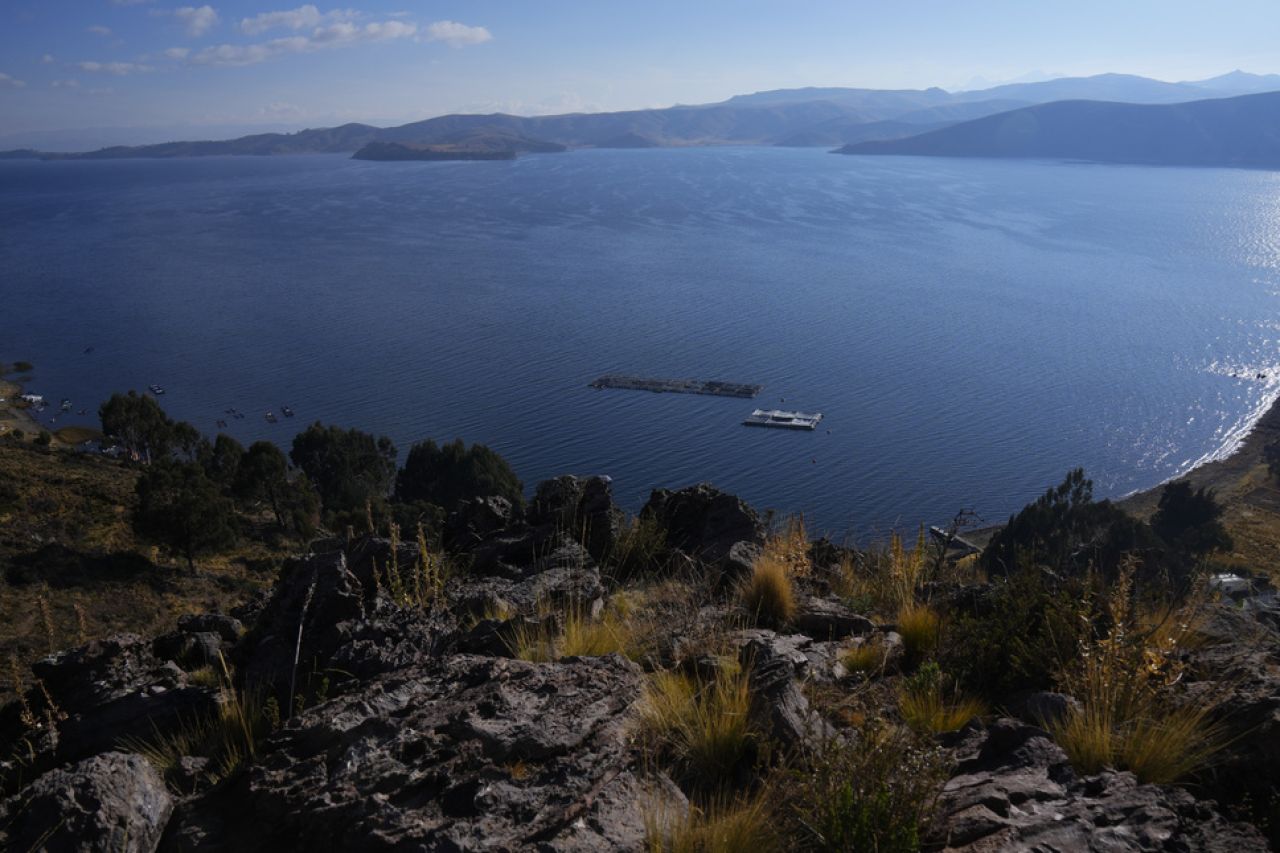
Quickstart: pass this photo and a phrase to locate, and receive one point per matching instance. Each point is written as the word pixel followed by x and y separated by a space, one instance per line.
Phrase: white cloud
pixel 119 69
pixel 47 59
pixel 99 30
pixel 301 18
pixel 7 82
pixel 334 35
pixel 281 109
pixel 65 84
pixel 457 35
pixel 198 20
pixel 177 53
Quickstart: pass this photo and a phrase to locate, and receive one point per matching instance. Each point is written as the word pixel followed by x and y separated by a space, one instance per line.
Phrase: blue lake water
pixel 970 329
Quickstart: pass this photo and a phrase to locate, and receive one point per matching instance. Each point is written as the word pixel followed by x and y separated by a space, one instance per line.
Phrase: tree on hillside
pixel 138 422
pixel 1271 453
pixel 1190 521
pixel 221 460
pixel 1067 531
pixel 182 510
pixel 347 467
pixel 264 477
pixel 446 475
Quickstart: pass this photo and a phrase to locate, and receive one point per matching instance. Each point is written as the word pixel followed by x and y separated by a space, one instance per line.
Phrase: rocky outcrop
pixel 501 541
pixel 1014 790
pixel 709 524
pixel 113 803
pixel 468 752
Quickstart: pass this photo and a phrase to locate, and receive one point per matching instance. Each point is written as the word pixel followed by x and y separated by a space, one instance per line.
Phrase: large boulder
pixel 109 691
pixel 1014 790
pixel 113 803
pixel 463 753
pixel 703 521
pixel 331 612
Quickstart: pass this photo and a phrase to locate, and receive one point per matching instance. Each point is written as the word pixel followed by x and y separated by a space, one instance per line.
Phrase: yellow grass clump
pixel 723 826
pixel 927 706
pixel 919 626
pixel 1130 715
pixel 704 729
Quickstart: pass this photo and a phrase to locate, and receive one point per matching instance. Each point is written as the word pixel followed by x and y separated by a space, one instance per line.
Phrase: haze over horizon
pixel 226 67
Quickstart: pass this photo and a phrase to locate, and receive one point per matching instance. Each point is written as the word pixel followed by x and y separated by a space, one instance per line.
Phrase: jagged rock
pixel 824 619
pixel 567 575
pixel 1044 708
pixel 738 562
pixel 1014 790
pixel 108 691
pixel 467 752
pixel 114 803
pixel 188 650
pixel 564 510
pixel 703 521
pixel 227 628
pixel 478 519
pixel 333 615
pixel 810 660
pixel 776 700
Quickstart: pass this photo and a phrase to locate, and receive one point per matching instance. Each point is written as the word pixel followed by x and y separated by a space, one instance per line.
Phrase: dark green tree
pixel 347 467
pixel 221 460
pixel 445 475
pixel 1271 453
pixel 264 477
pixel 183 511
pixel 138 422
pixel 1067 531
pixel 1190 521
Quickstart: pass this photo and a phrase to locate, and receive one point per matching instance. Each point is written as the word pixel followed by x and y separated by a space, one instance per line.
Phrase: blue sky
pixel 96 63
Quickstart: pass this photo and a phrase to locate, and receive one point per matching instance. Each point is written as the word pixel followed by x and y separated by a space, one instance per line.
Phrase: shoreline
pixel 1232 476
pixel 14 418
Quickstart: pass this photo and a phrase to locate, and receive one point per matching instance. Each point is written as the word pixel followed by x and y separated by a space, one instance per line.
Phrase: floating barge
pixel 712 387
pixel 779 419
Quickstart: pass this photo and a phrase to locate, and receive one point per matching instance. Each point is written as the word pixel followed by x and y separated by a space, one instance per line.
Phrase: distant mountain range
pixel 810 117
pixel 1243 131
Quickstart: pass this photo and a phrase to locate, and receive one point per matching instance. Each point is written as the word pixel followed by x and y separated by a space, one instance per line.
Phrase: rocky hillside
pixel 561 678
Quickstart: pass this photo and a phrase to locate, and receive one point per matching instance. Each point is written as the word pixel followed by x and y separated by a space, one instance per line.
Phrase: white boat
pixel 783 420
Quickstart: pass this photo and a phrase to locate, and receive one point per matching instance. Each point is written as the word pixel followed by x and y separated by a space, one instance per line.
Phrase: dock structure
pixel 712 387
pixel 783 420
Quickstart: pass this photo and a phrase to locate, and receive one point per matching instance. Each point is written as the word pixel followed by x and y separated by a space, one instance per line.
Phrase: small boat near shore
pixel 271 417
pixel 286 411
pixel 779 419
pixel 155 389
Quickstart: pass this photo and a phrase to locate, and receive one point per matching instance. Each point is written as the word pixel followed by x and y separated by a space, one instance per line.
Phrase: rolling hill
pixel 1243 131
pixel 808 116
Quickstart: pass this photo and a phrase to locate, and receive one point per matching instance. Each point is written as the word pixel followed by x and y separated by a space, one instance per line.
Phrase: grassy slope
pixel 1251 497
pixel 65 538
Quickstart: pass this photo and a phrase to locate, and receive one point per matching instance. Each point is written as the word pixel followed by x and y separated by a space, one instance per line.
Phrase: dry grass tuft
pixel 919 626
pixel 723 826
pixel 769 595
pixel 704 730
pixel 1126 681
pixel 866 659
pixel 574 632
pixel 928 706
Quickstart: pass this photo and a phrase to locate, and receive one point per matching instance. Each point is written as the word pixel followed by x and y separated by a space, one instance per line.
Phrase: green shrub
pixel 44 439
pixel 1017 637
pixel 874 790
pixel 446 475
pixel 930 705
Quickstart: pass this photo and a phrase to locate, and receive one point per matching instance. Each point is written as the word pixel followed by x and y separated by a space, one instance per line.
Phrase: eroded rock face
pixel 468 752
pixel 704 521
pixel 1014 790
pixel 114 803
pixel 108 691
